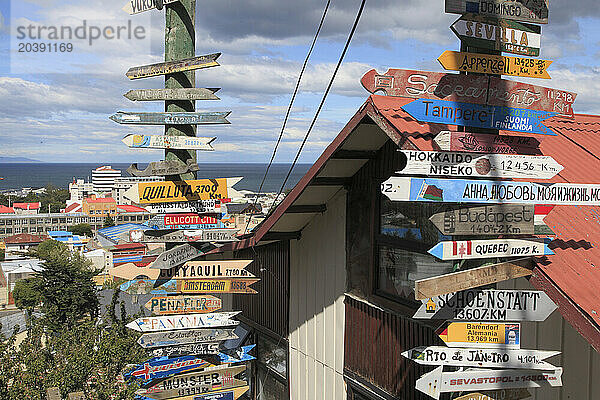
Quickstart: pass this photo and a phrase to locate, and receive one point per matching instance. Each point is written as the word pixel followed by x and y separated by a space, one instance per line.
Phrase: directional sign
pixel 474 249
pixel 164 168
pixel 171 67
pixel 190 349
pixel 472 278
pixel 138 6
pixel 491 64
pixel 227 285
pixel 487 358
pixel 536 12
pixel 498 34
pixel 184 221
pixel 131 271
pixel 480 191
pixel 469 165
pixel 476 89
pixel 209 269
pixel 486 143
pixel 170 118
pixel 436 382
pixel 166 305
pixel 239 355
pixel 188 94
pixel 186 336
pixel 158 368
pixel 500 394
pixel 182 236
pixel 169 191
pixel 169 142
pixel 480 116
pixel 481 335
pixel 223 394
pixel 488 305
pixel 210 206
pixel 149 286
pixel 187 321
pixel 176 256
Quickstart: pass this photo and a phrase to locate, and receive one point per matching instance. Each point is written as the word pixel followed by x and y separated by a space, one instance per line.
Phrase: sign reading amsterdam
pixel 518 10
pixel 490 248
pixel 170 118
pixel 169 191
pixel 239 285
pixel 481 335
pixel 486 143
pixel 185 336
pixel 209 269
pixel 166 305
pixel 466 191
pixel 488 305
pixel 169 142
pixel 187 94
pixel 171 67
pixel 187 321
pixel 480 116
pixel 468 165
pixel 491 64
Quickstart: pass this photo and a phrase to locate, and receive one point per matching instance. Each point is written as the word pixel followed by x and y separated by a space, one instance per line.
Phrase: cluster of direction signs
pixel 483 359
pixel 195 351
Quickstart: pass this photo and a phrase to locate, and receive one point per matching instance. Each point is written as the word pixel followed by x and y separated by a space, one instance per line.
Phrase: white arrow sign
pixel 487 358
pixel 474 249
pixel 186 321
pixel 198 206
pixel 436 382
pixel 139 6
pixel 470 165
pixel 169 142
pixel 488 305
pixel 176 256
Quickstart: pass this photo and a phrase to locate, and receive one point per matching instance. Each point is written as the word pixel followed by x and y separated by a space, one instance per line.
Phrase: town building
pixel 99 206
pixel 14 270
pixel 123 184
pixel 21 242
pixel 103 178
pixel 6 210
pixel 78 190
pixel 73 242
pixel 27 208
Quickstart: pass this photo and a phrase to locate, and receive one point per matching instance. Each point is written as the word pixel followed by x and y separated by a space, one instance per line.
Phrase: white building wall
pixel 317 285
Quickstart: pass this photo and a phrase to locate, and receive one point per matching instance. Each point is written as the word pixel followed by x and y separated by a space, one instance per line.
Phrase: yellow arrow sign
pixel 489 64
pixel 500 394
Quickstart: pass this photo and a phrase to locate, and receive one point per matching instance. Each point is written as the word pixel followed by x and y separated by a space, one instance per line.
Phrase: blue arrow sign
pixel 240 356
pixel 480 116
pixel 163 367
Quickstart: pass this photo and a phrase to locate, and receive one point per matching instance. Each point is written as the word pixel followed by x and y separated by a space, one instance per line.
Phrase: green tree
pixel 81 229
pixel 27 294
pixel 108 221
pixel 2 254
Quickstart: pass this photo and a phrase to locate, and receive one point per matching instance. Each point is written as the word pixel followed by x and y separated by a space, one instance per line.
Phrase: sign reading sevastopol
pixel 518 10
pixel 488 305
pixel 490 248
pixel 187 321
pixel 169 142
pixel 187 94
pixel 170 118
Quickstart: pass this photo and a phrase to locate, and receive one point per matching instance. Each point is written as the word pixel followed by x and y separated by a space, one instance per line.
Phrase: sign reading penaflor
pixel 165 305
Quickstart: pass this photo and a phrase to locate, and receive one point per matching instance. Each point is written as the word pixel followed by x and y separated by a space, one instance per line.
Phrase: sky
pixel 55 106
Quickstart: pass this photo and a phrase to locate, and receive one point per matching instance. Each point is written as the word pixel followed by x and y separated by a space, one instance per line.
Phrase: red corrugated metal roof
pixel 6 210
pixel 100 200
pixel 27 206
pixel 24 238
pixel 128 208
pixel 129 246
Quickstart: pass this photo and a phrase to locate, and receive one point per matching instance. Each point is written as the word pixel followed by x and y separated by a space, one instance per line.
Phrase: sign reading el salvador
pixel 480 116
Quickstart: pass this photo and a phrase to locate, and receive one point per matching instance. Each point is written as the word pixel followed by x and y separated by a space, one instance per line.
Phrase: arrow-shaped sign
pixel 481 335
pixel 170 118
pixel 488 305
pixel 532 11
pixel 169 142
pixel 166 305
pixel 210 206
pixel 182 236
pixel 223 394
pixel 472 278
pixel 480 191
pixel 498 34
pixel 149 286
pixel 187 321
pixel 192 190
pixel 176 256
pixel 209 269
pixel 500 394
pixel 479 116
pixel 436 382
pixel 187 94
pixel 191 349
pixel 158 368
pixel 139 6
pixel 469 165
pixel 490 248
pixel 185 336
pixel 207 286
pixel 487 358
pixel 184 221
pixel 164 168
pixel 486 143
pixel 170 67
pixel 239 355
pixel 131 271
pixel 490 64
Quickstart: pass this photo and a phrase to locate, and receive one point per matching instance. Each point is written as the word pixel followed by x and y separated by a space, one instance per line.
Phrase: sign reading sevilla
pixel 491 64
pixel 481 335
pixel 490 248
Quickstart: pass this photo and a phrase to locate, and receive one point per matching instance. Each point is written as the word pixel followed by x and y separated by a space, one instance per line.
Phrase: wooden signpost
pixel 176 256
pixel 472 278
pixel 167 305
pixel 479 116
pixel 469 165
pixel 480 335
pixel 170 118
pixel 488 305
pixel 498 34
pixel 480 191
pixel 169 142
pixel 191 349
pixel 170 67
pixel 490 248
pixel 209 206
pixel 436 382
pixel 491 64
pixel 500 394
pixel 187 321
pixel 183 236
pixel 209 269
pixel 184 221
pixel 139 6
pixel 185 94
pixel 164 168
pixel 178 191
pixel 517 10
pixel 195 286
pixel 481 357
pixel 185 336
pixel 486 143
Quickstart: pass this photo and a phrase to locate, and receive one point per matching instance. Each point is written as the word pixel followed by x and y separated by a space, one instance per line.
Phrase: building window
pixel 269 372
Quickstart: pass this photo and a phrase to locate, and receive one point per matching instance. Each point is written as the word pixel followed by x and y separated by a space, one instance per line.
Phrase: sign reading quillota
pixel 488 305
pixel 209 206
pixel 498 34
pixel 190 349
pixel 164 168
pixel 169 191
pixel 184 221
pixel 480 116
pixel 486 358
pixel 166 305
pixel 209 269
pixel 187 321
pixel 490 248
pixel 481 335
pixel 186 336
pixel 176 256
pixel 486 143
pixel 169 142
pixel 138 6
pixel 171 67
pixel 500 394
pixel 476 89
pixel 491 64
pixel 518 10
pixel 182 236
pixel 469 165
pixel 170 118
pixel 436 382
pixel 480 191
pixel 472 278
pixel 187 94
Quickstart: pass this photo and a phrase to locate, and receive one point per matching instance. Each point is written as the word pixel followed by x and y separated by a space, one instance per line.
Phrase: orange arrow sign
pixel 490 64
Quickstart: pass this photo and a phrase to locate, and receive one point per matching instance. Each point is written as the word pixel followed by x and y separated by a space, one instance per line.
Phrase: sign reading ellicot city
pixel 485 143
pixel 490 248
pixel 182 236
pixel 488 305
pixel 529 11
pixel 187 321
pixel 185 221
pixel 185 94
pixel 191 190
pixel 490 64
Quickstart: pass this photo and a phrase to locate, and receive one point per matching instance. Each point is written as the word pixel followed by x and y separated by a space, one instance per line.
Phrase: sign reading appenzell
pixel 171 67
pixel 493 64
pixel 517 10
pixel 187 94
pixel 164 168
pixel 486 143
pixel 170 118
